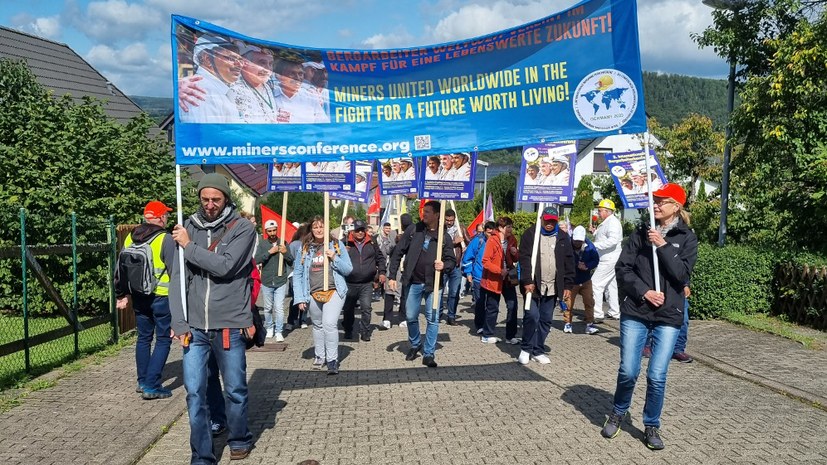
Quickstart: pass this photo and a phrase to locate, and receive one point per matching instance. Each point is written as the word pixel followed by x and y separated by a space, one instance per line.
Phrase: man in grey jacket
pixel 218 248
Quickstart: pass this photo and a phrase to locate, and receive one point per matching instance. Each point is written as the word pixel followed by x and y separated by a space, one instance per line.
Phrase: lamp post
pixel 484 164
pixel 734 6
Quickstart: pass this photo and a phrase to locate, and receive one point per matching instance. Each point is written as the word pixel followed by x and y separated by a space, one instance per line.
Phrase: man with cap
pixel 461 167
pixel 295 104
pixel 368 261
pixel 586 259
pixel 315 81
pixel 219 66
pixel 252 94
pixel 406 171
pixel 151 310
pixel 217 322
pixel 559 171
pixel 273 284
pixel 549 277
pixel 607 239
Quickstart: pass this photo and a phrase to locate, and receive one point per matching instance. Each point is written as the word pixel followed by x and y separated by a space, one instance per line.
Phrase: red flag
pixel 422 203
pixel 289 230
pixel 487 214
pixel 375 203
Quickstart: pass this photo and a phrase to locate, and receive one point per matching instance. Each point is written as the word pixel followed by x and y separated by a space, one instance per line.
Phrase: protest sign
pixel 547 172
pixel 628 170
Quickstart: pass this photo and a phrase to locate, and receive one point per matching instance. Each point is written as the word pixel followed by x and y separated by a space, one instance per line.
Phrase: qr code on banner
pixel 422 142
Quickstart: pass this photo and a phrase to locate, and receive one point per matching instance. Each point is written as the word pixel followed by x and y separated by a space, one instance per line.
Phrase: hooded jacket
pixel 493 260
pixel 635 273
pixel 472 258
pixel 367 263
pixel 589 256
pixel 218 282
pixel 411 246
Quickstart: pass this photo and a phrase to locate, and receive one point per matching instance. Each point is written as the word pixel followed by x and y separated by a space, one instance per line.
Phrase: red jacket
pixel 492 264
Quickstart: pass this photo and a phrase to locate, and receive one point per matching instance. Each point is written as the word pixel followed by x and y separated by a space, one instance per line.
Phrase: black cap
pixel 359 224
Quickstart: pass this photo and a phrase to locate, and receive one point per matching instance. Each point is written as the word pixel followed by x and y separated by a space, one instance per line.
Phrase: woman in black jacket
pixel 644 310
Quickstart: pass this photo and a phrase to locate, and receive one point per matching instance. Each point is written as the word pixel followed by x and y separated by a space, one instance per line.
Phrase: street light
pixel 734 6
pixel 484 164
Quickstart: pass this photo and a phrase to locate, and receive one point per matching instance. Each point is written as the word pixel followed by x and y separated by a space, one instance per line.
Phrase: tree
pixel 503 188
pixel 581 211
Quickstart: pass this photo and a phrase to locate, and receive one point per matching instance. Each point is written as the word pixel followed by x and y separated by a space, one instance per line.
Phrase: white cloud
pixel 397 39
pixel 134 69
pixel 47 27
pixel 115 20
pixel 479 19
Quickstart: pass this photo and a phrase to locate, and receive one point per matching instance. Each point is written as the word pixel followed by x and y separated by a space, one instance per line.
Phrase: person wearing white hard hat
pixel 294 103
pixel 559 171
pixel 607 238
pixel 252 93
pixel 219 67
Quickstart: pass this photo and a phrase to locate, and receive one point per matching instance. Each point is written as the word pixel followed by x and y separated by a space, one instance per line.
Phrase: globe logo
pixel 605 100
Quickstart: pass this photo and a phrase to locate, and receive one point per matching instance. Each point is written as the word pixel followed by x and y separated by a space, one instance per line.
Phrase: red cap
pixel 155 209
pixel 672 191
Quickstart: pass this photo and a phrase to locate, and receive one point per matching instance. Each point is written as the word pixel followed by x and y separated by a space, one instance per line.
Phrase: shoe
pixel 159 393
pixel 139 389
pixel 318 363
pixel 333 367
pixel 598 321
pixel 269 333
pixel 348 334
pixel 443 317
pixel 288 327
pixel 366 337
pixel 647 352
pixel 524 357
pixel 616 318
pixel 541 359
pixel 490 340
pixel 404 324
pixel 479 331
pixel 429 361
pixel 451 322
pixel 652 438
pixel 217 428
pixel 612 426
pixel 239 454
pixel 412 353
pixel 304 325
pixel 591 329
pixel 567 328
pixel 279 337
pixel 514 341
pixel 386 324
pixel 682 357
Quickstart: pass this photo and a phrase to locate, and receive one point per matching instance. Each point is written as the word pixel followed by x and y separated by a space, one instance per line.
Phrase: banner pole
pixel 655 266
pixel 325 239
pixel 534 246
pixel 436 300
pixel 341 223
pixel 181 266
pixel 283 230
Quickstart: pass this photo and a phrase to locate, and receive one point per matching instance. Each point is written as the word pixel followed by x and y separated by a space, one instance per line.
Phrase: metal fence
pixel 57 299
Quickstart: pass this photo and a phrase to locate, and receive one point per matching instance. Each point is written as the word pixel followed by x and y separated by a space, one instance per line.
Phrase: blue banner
pixel 397 176
pixel 285 177
pixel 364 177
pixel 328 176
pixel 448 177
pixel 572 75
pixel 547 173
pixel 629 173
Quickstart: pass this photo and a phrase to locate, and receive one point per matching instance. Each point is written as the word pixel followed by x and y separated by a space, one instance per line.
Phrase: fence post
pixel 113 244
pixel 26 349
pixel 75 330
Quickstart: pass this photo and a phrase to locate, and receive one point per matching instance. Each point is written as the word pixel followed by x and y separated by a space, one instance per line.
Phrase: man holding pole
pixel 423 253
pixel 546 273
pixel 273 279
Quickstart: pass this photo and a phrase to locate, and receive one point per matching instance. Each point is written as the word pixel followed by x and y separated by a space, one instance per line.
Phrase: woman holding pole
pixel 653 305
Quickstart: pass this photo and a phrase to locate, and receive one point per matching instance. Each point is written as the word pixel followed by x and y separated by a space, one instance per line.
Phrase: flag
pixel 487 214
pixel 375 202
pixel 386 217
pixel 422 203
pixel 289 230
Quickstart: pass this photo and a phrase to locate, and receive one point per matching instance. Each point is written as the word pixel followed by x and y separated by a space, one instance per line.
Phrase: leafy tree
pixel 302 206
pixel 583 202
pixel 503 188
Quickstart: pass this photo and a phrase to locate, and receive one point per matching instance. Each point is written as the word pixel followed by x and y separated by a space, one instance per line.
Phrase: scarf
pixel 663 230
pixel 200 217
pixel 553 232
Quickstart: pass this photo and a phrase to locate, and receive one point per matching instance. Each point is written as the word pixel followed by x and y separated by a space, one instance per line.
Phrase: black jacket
pixel 563 259
pixel 635 273
pixel 367 264
pixel 410 246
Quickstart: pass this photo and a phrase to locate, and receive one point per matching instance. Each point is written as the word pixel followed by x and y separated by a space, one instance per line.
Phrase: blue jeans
pixel 633 334
pixel 232 364
pixel 537 323
pixel 215 394
pixel 510 297
pixel 152 317
pixel 680 344
pixel 417 292
pixel 274 305
pixel 489 307
pixel 451 283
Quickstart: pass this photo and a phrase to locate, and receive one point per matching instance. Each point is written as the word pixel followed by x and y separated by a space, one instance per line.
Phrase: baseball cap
pixel 359 224
pixel 313 64
pixel 550 213
pixel 672 191
pixel 269 224
pixel 579 234
pixel 155 209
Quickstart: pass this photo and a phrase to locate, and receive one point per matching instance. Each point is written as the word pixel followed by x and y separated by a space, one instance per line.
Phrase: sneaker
pixel 682 357
pixel 591 329
pixel 611 427
pixel 333 367
pixel 304 325
pixel 239 454
pixel 139 389
pixel 403 324
pixel 541 359
pixel 647 352
pixel 318 363
pixel 479 331
pixel 598 321
pixel 652 438
pixel 217 428
pixel 514 341
pixel 159 393
pixel 288 327
pixel 269 333
pixel 524 357
pixel 366 337
pixel 279 337
pixel 490 340
pixel 386 324
pixel 429 361
pixel 451 322
pixel 567 328
pixel 412 353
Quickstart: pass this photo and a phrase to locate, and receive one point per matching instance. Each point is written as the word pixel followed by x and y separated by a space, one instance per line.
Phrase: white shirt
pixel 607 239
pixel 463 173
pixel 446 175
pixel 254 105
pixel 409 175
pixel 430 175
pixel 302 107
pixel 559 179
pixel 218 106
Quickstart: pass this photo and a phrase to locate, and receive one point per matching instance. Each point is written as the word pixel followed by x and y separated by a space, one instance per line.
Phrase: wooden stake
pixel 283 230
pixel 436 300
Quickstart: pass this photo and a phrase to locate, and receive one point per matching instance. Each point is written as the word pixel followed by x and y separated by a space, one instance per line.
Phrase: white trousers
pixel 603 281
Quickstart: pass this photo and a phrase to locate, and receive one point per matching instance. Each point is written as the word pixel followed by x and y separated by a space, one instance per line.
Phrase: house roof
pixel 59 68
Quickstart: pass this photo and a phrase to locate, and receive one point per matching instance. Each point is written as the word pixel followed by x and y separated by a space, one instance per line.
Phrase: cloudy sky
pixel 128 41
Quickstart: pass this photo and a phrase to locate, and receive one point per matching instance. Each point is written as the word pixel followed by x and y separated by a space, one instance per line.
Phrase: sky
pixel 128 41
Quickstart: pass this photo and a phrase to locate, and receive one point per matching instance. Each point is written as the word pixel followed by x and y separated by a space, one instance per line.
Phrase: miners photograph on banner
pixel 328 176
pixel 448 177
pixel 285 177
pixel 363 178
pixel 547 172
pixel 397 176
pixel 628 170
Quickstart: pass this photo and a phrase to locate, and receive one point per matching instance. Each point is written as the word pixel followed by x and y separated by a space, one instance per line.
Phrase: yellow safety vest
pixel 161 273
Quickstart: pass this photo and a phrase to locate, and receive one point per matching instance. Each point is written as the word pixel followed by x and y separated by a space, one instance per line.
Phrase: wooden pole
pixel 534 246
pixel 436 300
pixel 325 246
pixel 283 230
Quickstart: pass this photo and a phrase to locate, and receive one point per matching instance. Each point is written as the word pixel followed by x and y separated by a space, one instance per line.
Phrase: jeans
pixel 363 293
pixel 537 323
pixel 451 283
pixel 232 364
pixel 152 317
pixel 475 291
pixel 417 292
pixel 510 297
pixel 215 394
pixel 680 343
pixel 633 334
pixel 325 319
pixel 274 305
pixel 488 307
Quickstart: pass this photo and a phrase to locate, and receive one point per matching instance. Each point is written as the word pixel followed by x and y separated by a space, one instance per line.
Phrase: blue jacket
pixel 340 268
pixel 472 258
pixel 590 257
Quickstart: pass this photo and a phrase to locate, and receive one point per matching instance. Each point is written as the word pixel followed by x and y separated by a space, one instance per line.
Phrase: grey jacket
pixel 270 264
pixel 218 282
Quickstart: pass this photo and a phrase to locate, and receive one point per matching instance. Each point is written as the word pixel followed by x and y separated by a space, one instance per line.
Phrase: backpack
pixel 137 269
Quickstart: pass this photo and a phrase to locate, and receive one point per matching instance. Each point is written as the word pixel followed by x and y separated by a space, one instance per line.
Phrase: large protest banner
pixel 572 75
pixel 629 173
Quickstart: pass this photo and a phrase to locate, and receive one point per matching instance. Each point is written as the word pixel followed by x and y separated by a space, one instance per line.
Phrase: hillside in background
pixel 157 108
